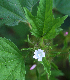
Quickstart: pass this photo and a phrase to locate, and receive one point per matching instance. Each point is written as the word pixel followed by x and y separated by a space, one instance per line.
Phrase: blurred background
pixel 18 35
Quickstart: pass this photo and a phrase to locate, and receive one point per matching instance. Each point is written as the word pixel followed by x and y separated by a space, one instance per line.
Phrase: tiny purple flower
pixel 33 67
pixel 66 33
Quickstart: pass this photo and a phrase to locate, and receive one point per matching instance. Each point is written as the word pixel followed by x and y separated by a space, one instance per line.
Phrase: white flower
pixel 39 54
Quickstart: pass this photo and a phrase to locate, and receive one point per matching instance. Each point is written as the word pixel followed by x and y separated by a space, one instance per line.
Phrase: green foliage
pixel 54 66
pixel 12 65
pixel 29 4
pixel 63 6
pixel 55 73
pixel 47 66
pixel 44 24
pixel 11 11
pixel 53 28
pixel 69 55
pixel 27 49
pixel 16 34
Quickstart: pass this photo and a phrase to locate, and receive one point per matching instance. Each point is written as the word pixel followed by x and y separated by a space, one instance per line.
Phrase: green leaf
pixel 44 24
pixel 62 6
pixel 12 65
pixel 54 27
pixel 27 49
pixel 11 12
pixel 47 66
pixel 54 66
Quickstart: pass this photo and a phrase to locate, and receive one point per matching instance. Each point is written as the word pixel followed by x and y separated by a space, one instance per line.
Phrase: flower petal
pixel 43 55
pixel 35 57
pixel 40 59
pixel 33 67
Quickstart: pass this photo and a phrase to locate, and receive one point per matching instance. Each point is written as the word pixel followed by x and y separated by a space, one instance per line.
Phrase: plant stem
pixel 47 77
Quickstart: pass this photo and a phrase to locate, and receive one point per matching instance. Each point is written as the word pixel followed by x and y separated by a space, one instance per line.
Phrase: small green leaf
pixel 54 66
pixel 12 65
pixel 47 66
pixel 26 49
